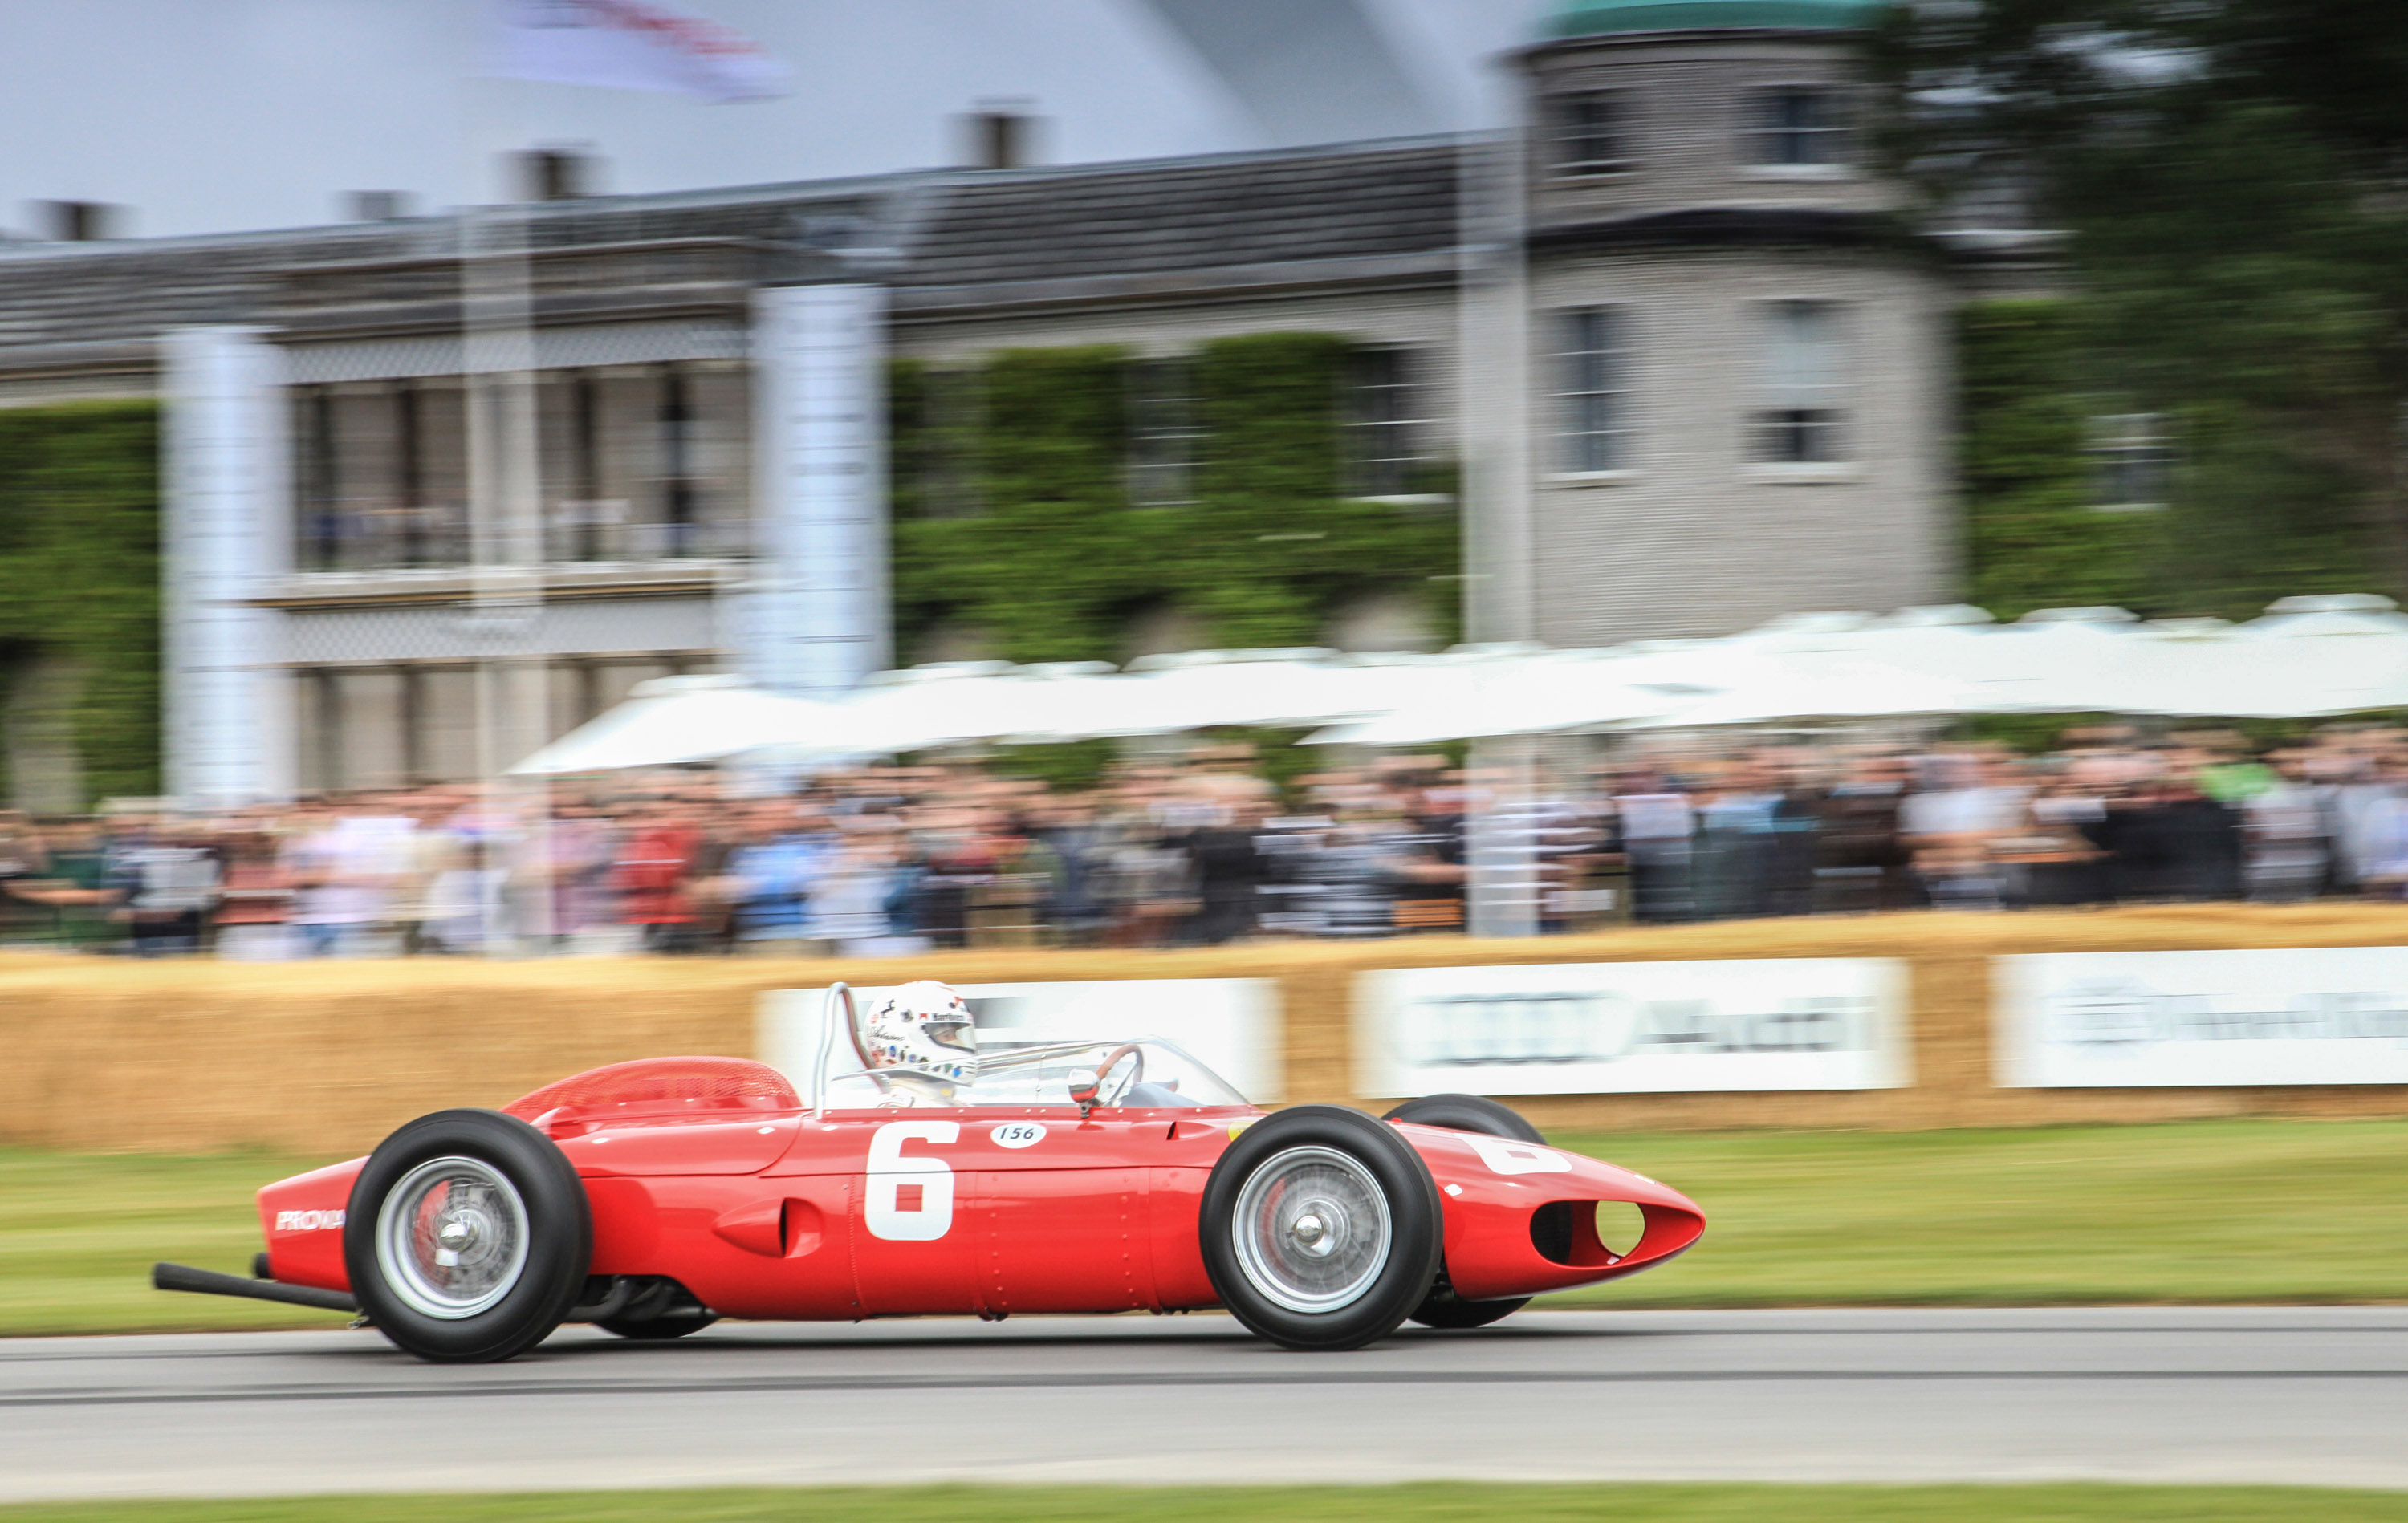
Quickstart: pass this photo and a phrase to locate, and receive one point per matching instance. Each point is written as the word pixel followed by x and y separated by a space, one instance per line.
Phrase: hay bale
pixel 111 1055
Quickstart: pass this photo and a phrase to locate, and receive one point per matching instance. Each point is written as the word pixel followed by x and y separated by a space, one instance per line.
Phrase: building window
pixel 1800 420
pixel 634 463
pixel 951 421
pixel 2129 462
pixel 1593 389
pixel 1162 434
pixel 1384 427
pixel 1798 126
pixel 1591 132
pixel 645 461
pixel 380 476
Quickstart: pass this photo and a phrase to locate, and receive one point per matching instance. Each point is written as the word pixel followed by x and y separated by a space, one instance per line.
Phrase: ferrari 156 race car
pixel 942 1176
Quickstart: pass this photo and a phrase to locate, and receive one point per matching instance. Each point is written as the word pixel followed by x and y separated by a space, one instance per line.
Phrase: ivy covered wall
pixel 2242 523
pixel 79 583
pixel 1014 517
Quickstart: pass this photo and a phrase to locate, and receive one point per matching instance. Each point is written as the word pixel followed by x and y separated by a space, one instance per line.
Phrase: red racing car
pixel 941 1178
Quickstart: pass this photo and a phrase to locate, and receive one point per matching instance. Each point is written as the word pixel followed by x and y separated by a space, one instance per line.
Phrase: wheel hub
pixel 451 1238
pixel 1312 1229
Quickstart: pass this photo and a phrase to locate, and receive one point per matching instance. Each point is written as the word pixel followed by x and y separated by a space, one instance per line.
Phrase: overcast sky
pixel 219 115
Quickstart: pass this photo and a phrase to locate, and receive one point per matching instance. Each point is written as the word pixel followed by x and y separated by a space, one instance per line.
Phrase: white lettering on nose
pixel 308 1221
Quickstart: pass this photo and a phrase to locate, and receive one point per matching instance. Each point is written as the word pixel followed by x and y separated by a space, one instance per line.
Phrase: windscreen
pixel 1152 1072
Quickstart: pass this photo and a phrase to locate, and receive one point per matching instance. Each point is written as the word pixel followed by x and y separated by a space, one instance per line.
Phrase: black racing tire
pixel 1448 1312
pixel 1368 1195
pixel 1468 1113
pixel 1442 1307
pixel 511 1206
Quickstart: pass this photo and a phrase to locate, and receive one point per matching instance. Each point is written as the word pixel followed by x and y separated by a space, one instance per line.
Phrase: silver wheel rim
pixel 1311 1228
pixel 451 1238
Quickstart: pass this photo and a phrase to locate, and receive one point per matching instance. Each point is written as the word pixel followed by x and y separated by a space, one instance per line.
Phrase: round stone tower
pixel 1742 349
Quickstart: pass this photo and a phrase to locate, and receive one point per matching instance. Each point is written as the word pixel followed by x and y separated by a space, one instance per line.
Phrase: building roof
pixel 1240 210
pixel 1606 18
pixel 1206 221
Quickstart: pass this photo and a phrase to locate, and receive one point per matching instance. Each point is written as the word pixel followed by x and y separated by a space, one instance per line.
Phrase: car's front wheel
pixel 1442 1307
pixel 467 1237
pixel 1320 1228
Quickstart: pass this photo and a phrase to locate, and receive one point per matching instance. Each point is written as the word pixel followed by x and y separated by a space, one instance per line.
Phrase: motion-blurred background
pixel 1099 333
pixel 1253 492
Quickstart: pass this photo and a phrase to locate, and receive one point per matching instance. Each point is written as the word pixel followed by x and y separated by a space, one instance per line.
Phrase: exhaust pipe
pixel 206 1282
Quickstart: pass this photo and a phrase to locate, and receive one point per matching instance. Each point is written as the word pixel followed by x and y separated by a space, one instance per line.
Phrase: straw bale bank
pixel 327 1057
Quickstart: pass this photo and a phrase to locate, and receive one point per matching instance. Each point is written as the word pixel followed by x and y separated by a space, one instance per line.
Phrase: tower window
pixel 1593 389
pixel 1798 126
pixel 1591 132
pixel 1801 422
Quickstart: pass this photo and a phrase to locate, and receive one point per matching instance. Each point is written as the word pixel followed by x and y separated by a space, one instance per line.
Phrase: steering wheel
pixel 1104 1071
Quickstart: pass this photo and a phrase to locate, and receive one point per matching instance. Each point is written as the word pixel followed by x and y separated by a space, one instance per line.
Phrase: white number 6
pixel 927 1214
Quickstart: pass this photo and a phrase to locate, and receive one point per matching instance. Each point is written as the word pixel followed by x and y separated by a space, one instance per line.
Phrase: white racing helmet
pixel 920 1034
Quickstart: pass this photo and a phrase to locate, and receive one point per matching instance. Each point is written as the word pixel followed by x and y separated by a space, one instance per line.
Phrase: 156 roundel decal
pixel 909 1200
pixel 1019 1135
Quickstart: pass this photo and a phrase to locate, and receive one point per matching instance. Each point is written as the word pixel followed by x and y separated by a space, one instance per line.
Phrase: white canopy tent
pixel 2306 658
pixel 1839 691
pixel 1537 695
pixel 928 707
pixel 673 720
pixel 1288 689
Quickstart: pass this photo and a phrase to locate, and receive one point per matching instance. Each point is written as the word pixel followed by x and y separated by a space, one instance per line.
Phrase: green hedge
pixel 80 571
pixel 1052 560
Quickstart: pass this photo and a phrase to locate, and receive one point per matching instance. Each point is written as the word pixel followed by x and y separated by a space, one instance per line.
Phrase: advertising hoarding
pixel 2325 1015
pixel 1630 1028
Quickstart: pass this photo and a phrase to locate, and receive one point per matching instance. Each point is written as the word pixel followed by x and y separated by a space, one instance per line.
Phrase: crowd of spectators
pixel 1203 850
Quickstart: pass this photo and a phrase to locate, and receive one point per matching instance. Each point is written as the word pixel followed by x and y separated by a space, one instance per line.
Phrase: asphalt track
pixel 2305 1395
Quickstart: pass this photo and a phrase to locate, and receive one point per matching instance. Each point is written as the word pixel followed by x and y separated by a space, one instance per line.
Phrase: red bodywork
pixel 763 1209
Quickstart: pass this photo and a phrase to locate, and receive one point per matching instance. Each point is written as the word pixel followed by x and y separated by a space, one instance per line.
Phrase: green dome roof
pixel 1599 18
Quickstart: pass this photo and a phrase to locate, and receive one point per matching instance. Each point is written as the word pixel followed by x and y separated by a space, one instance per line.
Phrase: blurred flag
pixel 631 44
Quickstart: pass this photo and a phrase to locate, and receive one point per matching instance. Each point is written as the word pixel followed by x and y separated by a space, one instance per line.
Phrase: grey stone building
pixel 441 488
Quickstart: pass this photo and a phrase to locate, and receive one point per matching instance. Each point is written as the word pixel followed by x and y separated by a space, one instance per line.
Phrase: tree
pixel 2230 176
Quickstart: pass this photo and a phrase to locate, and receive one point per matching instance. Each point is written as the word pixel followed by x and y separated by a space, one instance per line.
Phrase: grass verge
pixel 2277 1211
pixel 78 1235
pixel 1419 1504
pixel 2199 1211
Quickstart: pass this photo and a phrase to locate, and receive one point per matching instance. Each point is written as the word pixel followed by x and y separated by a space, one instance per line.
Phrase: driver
pixel 922 1045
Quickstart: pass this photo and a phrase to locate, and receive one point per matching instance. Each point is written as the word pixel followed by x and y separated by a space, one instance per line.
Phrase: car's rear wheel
pixel 1442 1307
pixel 1320 1228
pixel 467 1237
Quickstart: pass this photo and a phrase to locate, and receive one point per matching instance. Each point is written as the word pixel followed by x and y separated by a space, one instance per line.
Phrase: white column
pixel 815 619
pixel 226 532
pixel 1499 537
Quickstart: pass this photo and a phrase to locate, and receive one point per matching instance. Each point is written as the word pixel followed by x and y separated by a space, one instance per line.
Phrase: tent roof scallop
pixel 1606 18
